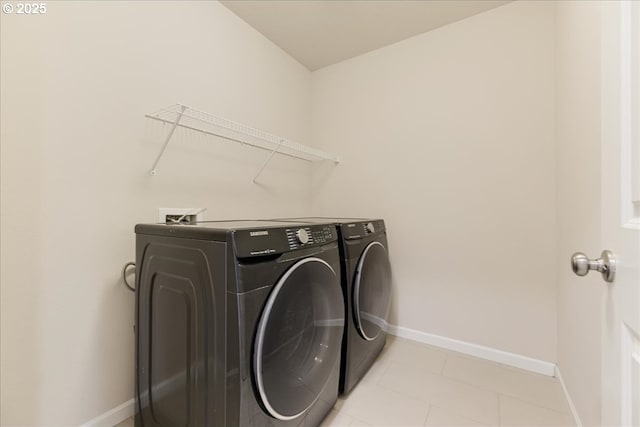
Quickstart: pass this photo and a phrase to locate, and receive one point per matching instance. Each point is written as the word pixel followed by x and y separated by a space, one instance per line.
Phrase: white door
pixel 621 211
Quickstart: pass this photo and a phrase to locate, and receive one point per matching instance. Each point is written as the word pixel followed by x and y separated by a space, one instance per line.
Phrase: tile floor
pixel 412 384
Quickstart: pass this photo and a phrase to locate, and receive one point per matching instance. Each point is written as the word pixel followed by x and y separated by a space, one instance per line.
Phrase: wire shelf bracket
pixel 179 115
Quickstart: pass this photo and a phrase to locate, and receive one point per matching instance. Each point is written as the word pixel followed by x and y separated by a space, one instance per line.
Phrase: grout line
pixel 508 369
pixel 354 419
pixel 426 418
pixel 561 414
pixel 569 401
pixel 459 382
pixel 465 416
pixel 384 371
pixel 501 393
pixel 398 394
pixel 444 365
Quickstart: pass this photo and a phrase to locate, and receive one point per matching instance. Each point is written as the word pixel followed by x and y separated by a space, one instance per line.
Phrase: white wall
pixel 579 220
pixel 449 136
pixel 76 151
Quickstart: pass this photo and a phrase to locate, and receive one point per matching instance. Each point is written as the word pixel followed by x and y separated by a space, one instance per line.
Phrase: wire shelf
pixel 179 115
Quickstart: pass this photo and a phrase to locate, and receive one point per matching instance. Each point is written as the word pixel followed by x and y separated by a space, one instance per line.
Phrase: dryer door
pixel 298 340
pixel 372 291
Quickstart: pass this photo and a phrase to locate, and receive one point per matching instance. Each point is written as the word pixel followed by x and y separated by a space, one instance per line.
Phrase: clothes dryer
pixel 237 324
pixel 366 286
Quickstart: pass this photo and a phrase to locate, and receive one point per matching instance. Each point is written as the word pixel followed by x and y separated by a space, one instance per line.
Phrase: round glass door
pixel 372 291
pixel 299 337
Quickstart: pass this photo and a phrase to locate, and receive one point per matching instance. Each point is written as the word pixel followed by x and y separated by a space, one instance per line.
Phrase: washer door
pixel 372 291
pixel 298 340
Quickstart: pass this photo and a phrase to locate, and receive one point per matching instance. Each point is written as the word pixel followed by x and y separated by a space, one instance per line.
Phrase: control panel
pixel 357 230
pixel 310 235
pixel 276 240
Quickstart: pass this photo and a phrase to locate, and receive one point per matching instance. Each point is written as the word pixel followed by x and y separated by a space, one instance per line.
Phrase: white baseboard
pixel 114 416
pixel 574 413
pixel 488 353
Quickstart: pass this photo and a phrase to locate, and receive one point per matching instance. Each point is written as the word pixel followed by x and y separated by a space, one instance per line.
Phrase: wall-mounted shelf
pixel 179 115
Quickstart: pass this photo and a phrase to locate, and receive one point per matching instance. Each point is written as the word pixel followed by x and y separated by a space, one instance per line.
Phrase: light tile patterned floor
pixel 412 384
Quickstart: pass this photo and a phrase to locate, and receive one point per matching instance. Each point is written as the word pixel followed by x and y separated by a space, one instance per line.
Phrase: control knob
pixel 369 227
pixel 302 236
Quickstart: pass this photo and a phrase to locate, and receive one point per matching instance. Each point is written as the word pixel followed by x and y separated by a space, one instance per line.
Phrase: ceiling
pixel 322 32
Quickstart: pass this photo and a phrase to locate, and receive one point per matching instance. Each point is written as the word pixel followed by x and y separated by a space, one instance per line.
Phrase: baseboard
pixel 488 353
pixel 574 413
pixel 113 416
pixel 126 410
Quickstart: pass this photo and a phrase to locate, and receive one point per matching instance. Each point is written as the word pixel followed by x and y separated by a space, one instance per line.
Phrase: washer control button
pixel 302 236
pixel 369 227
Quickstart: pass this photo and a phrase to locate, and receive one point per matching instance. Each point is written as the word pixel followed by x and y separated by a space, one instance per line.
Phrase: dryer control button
pixel 302 236
pixel 369 227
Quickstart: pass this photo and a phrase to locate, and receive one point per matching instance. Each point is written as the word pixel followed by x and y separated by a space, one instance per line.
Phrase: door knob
pixel 606 265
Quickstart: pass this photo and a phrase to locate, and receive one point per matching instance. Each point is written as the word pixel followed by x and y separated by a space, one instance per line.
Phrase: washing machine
pixel 238 323
pixel 366 285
